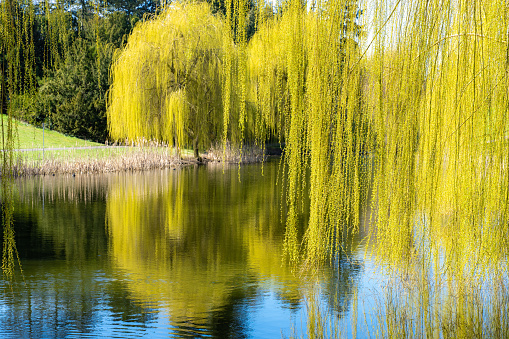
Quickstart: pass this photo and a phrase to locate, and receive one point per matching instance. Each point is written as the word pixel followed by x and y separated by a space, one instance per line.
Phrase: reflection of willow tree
pixel 213 236
pixel 191 228
pixel 60 222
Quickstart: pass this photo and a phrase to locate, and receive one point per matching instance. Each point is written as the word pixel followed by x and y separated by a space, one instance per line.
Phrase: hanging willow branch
pixel 413 121
pixel 17 75
pixel 425 103
pixel 167 80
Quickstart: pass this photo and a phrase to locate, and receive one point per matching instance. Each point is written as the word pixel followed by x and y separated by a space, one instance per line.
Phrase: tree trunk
pixel 196 152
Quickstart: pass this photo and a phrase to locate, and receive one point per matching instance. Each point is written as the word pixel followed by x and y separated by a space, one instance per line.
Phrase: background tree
pixel 133 8
pixel 74 43
pixel 74 97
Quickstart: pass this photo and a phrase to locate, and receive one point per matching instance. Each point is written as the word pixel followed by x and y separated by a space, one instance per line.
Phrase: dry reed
pixel 135 159
pixel 235 155
pixel 137 156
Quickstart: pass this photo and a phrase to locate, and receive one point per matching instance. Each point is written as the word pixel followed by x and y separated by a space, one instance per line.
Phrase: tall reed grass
pixel 139 156
pixel 235 155
pixel 93 161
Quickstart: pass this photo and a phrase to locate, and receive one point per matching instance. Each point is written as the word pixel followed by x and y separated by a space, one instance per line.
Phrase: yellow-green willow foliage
pixel 17 75
pixel 307 87
pixel 18 80
pixel 424 101
pixel 235 82
pixel 276 70
pixel 167 80
pixel 439 98
pixel 267 72
pixel 59 37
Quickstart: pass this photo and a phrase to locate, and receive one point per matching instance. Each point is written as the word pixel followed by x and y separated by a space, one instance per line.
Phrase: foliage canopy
pixel 167 81
pixel 412 116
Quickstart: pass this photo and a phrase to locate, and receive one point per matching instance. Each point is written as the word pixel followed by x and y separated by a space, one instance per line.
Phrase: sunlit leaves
pixel 167 80
pixel 426 105
pixel 416 123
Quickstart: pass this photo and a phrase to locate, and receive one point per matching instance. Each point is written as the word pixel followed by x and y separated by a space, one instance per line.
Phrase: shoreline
pixel 70 161
pixel 94 160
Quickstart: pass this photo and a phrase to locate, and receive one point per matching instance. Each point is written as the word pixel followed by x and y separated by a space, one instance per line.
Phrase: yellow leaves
pixel 426 107
pixel 176 117
pixel 166 81
pixel 299 65
pixel 437 108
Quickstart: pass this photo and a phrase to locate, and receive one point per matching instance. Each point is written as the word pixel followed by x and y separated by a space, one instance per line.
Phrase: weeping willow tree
pixel 17 78
pixel 440 104
pixel 417 99
pixel 401 103
pixel 424 99
pixel 167 80
pixel 308 92
pixel 187 77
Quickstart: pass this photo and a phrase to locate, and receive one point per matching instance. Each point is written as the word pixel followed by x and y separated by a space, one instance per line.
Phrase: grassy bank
pixel 61 154
pixel 28 137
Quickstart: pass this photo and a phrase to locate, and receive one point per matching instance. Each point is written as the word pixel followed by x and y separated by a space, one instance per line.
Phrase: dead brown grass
pixel 235 155
pixel 140 156
pixel 138 159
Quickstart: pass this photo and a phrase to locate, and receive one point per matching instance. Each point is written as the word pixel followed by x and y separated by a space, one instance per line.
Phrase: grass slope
pixel 28 136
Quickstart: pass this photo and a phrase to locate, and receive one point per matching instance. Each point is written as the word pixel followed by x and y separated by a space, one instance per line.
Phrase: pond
pixel 194 252
pixel 191 252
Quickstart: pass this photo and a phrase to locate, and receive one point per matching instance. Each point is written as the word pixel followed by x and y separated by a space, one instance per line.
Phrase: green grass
pixel 71 154
pixel 60 148
pixel 29 136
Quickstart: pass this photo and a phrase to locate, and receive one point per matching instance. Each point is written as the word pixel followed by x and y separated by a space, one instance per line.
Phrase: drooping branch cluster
pixel 389 112
pixel 167 81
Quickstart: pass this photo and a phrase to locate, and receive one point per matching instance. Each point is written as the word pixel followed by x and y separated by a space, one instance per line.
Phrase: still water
pixel 195 252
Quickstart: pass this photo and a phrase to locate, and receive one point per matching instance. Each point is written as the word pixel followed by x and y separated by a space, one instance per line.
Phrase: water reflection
pixel 192 252
pixel 201 242
pixel 61 217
